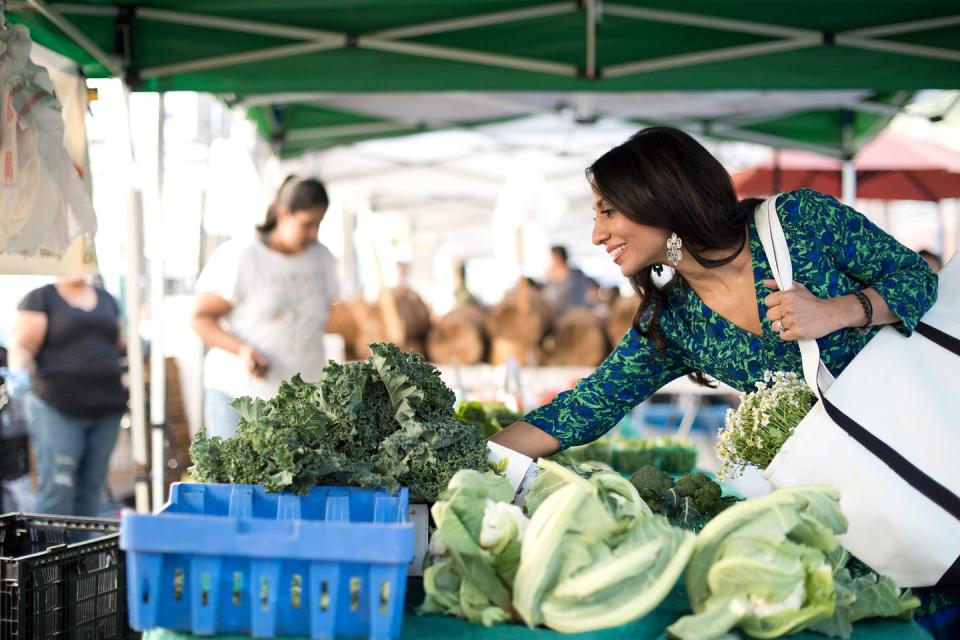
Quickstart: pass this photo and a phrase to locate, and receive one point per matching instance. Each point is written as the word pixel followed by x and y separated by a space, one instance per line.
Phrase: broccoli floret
pixel 705 493
pixel 651 483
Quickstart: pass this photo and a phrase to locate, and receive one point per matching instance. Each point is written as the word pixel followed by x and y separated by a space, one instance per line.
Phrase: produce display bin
pixel 223 558
pixel 61 577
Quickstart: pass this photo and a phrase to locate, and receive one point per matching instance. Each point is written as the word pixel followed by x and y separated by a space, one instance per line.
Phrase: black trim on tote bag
pixel 910 473
pixel 943 339
pixel 952 577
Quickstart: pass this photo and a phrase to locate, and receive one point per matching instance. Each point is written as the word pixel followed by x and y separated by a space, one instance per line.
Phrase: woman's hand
pixel 797 314
pixel 253 360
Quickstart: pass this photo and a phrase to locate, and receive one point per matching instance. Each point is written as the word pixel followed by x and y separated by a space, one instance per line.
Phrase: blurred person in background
pixel 461 295
pixel 566 286
pixel 65 349
pixel 262 305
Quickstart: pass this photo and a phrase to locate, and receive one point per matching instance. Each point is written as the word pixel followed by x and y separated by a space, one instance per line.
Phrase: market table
pixel 651 627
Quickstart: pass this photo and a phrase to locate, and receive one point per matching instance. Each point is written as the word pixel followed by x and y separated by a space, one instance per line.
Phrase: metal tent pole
pixel 158 382
pixel 849 172
pixel 133 251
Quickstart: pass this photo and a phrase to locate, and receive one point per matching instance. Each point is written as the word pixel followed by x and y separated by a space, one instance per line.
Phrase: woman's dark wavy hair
pixel 297 195
pixel 662 177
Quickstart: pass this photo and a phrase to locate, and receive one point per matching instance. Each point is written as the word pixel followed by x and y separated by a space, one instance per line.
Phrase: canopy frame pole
pixel 383 41
pixel 158 374
pixel 705 57
pixel 462 55
pixel 865 106
pixel 229 60
pixel 755 117
pixel 921 51
pixel 905 27
pixel 236 24
pixel 72 32
pixel 472 22
pixel 591 62
pixel 774 141
pixel 299 135
pixel 709 22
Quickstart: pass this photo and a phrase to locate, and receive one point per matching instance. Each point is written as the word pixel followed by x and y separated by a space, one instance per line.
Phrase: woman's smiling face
pixel 632 246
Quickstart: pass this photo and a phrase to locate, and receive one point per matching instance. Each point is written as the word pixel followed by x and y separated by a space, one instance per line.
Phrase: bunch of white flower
pixel 754 432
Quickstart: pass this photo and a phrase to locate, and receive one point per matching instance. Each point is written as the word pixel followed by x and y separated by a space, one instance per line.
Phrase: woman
pixel 263 303
pixel 66 336
pixel 661 198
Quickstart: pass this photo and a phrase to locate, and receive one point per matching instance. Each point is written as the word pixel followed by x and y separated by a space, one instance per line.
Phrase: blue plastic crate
pixel 222 558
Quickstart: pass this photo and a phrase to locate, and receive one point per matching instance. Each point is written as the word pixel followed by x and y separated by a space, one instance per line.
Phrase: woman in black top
pixel 67 337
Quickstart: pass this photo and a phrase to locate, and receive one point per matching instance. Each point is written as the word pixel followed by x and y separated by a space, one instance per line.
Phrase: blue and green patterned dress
pixel 834 249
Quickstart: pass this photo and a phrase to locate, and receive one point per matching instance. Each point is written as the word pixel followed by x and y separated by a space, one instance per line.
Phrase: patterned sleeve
pixel 871 256
pixel 629 375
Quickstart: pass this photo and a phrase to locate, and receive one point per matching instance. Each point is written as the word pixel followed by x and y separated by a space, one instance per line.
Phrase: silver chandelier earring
pixel 673 249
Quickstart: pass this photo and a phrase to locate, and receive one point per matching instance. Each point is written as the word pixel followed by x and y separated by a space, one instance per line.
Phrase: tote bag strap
pixel 775 247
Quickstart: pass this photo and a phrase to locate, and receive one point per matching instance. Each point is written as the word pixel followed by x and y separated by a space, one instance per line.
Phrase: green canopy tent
pixel 258 53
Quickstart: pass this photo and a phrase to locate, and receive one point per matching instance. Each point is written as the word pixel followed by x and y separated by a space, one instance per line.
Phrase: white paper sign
pixel 419 515
pixel 518 469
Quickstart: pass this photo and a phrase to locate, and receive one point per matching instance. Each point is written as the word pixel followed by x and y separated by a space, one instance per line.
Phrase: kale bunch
pixel 383 422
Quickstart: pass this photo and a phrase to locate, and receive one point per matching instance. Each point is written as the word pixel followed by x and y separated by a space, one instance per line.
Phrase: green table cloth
pixel 652 626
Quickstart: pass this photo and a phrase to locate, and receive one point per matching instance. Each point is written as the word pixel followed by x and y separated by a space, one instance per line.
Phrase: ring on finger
pixel 778 326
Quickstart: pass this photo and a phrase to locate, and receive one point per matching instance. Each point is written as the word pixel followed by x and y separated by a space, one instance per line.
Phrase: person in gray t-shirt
pixel 566 286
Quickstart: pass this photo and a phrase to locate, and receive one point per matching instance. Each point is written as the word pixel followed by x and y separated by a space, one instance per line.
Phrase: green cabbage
pixel 476 549
pixel 620 496
pixel 594 557
pixel 768 566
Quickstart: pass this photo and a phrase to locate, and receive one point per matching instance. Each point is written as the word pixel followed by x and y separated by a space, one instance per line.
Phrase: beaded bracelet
pixel 867 310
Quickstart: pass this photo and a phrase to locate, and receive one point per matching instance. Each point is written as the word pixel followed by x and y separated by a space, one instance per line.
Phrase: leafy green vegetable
pixel 616 492
pixel 865 596
pixel 705 493
pixel 652 483
pixel 587 562
pixel 383 422
pixel 476 549
pixel 689 503
pixel 592 556
pixel 627 455
pixel 768 567
pixel 488 418
pixel 644 565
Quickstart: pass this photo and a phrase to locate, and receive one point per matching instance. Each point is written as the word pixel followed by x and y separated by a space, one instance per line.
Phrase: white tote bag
pixel 886 434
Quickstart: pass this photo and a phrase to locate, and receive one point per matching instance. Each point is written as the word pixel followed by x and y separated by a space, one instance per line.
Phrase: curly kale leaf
pixel 383 422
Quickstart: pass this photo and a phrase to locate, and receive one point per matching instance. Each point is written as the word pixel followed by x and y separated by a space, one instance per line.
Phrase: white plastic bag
pixel 43 204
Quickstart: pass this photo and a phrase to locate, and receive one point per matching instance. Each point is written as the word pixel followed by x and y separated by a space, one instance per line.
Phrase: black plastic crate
pixel 14 457
pixel 62 577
